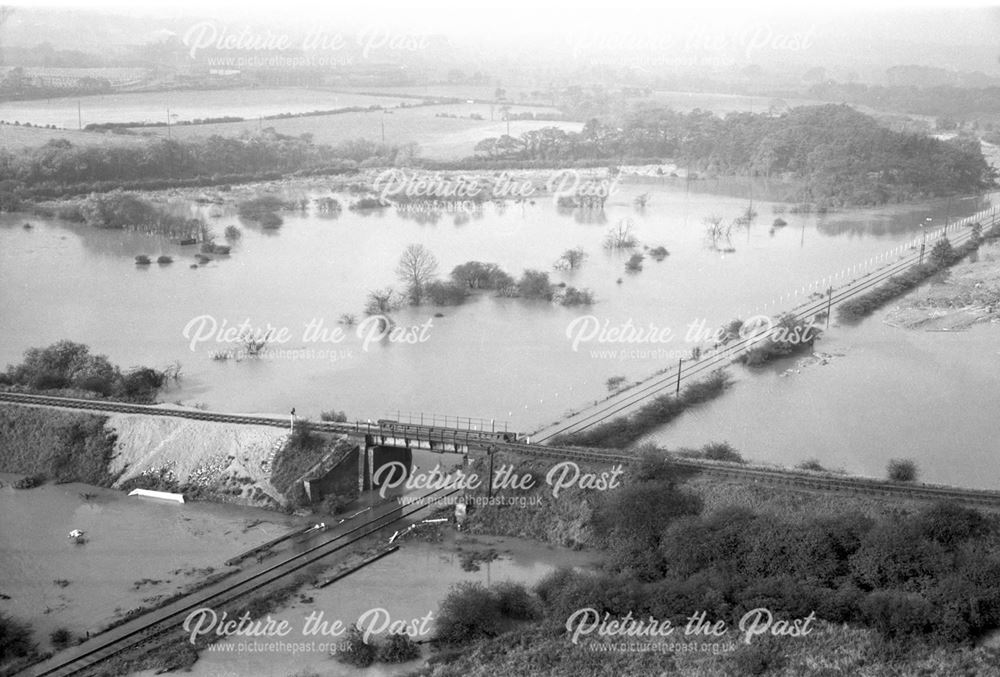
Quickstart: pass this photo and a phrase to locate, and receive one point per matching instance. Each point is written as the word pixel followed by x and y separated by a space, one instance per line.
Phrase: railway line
pixel 671 379
pixel 806 480
pixel 773 476
pixel 153 624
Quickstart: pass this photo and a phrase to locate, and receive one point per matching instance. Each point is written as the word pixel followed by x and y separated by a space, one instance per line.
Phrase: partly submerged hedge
pixel 624 430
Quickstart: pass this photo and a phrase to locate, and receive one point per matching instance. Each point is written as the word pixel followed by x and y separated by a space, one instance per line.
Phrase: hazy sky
pixel 851 33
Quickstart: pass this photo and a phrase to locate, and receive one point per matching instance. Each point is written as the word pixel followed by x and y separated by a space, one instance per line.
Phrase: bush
pixel 61 638
pixel 942 253
pixel 397 649
pixel 334 416
pixel 630 522
pixel 233 233
pixel 260 207
pixel 366 204
pixel 576 297
pixel 164 259
pixel 470 611
pixel 634 263
pixel 66 364
pixel 898 614
pixel 30 481
pixel 892 555
pixel 721 451
pixel 951 524
pixel 765 654
pixel 270 220
pixel 514 601
pixel 535 284
pixel 357 652
pixel 789 335
pixel 659 253
pixel 142 260
pixel 902 470
pixel 445 293
pixel 140 384
pixel 478 275
pixel 15 639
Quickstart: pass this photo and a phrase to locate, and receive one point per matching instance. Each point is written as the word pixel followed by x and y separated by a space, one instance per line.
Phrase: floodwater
pixel 74 112
pixel 511 362
pixel 885 392
pixel 128 541
pixel 408 585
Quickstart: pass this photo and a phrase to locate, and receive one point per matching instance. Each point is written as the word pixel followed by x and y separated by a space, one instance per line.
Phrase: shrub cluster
pixel 395 648
pixel 624 430
pixel 925 577
pixel 263 210
pixel 472 611
pixel 790 335
pixel 65 364
pixel 15 640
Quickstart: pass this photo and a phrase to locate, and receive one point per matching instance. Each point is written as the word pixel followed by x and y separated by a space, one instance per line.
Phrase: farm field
pixel 438 137
pixel 518 93
pixel 184 105
pixel 681 101
pixel 18 138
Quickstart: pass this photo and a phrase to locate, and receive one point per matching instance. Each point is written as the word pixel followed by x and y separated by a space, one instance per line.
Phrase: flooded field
pixel 523 364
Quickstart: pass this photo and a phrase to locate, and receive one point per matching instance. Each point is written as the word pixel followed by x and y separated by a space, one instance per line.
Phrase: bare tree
pixel 382 301
pixel 571 259
pixel 621 236
pixel 173 371
pixel 717 230
pixel 417 266
pixel 254 343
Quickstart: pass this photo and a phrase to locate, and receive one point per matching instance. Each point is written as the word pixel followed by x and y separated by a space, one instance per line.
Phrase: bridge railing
pixel 448 421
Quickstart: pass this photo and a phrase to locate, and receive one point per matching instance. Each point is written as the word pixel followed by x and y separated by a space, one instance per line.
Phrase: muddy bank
pixel 228 463
pixel 967 294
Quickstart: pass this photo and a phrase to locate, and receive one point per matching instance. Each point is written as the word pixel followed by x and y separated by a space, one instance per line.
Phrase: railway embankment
pixel 205 460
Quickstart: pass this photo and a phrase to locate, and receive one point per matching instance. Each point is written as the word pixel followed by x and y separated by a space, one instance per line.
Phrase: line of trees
pixel 417 270
pixel 66 365
pixel 50 169
pixel 941 101
pixel 844 157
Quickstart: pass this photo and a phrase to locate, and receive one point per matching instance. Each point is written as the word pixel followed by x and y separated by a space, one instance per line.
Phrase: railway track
pixel 774 476
pixel 670 379
pixel 153 624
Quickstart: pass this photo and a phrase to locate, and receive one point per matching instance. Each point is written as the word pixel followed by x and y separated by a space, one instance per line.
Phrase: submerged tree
pixel 382 301
pixel 571 259
pixel 621 236
pixel 718 232
pixel 417 266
